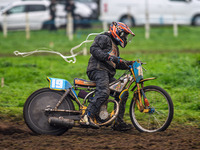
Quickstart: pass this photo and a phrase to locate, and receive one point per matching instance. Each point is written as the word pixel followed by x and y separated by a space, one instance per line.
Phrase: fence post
pixel 129 16
pixel 85 51
pixel 51 44
pixel 27 26
pixel 105 24
pixel 175 26
pixel 5 30
pixel 2 82
pixel 69 26
pixel 147 26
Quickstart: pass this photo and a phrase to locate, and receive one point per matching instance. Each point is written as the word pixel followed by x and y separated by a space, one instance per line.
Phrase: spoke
pixel 159 113
pixel 152 105
pixel 149 122
pixel 156 120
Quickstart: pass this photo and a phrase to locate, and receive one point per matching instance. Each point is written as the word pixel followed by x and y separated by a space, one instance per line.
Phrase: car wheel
pixel 128 20
pixel 46 25
pixel 196 20
pixel 78 20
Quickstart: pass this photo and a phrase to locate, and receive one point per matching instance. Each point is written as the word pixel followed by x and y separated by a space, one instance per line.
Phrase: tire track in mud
pixel 18 136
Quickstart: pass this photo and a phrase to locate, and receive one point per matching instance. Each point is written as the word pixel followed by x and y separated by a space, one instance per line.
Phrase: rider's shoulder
pixel 103 37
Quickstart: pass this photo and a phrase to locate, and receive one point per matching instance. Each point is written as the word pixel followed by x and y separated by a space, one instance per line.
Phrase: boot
pixel 122 126
pixel 87 121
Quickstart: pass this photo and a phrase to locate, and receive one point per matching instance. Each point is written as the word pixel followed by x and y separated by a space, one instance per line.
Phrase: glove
pixel 114 59
pixel 129 62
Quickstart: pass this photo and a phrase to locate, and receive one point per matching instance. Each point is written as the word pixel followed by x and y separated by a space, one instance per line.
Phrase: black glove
pixel 129 62
pixel 114 59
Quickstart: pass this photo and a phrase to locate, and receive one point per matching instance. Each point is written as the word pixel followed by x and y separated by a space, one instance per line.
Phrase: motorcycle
pixel 52 110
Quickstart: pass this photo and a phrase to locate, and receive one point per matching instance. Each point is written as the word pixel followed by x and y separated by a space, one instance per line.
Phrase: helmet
pixel 120 33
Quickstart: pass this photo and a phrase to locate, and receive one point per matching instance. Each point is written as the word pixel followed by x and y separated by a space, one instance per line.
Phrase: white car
pixel 93 4
pixel 133 12
pixel 38 14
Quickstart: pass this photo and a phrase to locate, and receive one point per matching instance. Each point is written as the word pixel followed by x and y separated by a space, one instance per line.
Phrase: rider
pixel 102 67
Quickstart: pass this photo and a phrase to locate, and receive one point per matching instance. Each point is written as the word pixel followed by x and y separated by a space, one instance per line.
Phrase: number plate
pixel 58 84
pixel 138 71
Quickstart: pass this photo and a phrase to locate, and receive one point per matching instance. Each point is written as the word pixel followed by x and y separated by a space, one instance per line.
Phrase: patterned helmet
pixel 120 33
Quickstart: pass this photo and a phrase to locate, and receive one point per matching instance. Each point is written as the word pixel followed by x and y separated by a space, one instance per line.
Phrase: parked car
pixel 133 12
pixel 38 14
pixel 93 4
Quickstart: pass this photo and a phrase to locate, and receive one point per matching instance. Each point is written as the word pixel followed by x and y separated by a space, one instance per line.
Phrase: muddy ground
pixel 16 135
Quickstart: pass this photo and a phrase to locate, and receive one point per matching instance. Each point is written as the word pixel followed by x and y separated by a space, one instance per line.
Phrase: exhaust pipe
pixel 61 122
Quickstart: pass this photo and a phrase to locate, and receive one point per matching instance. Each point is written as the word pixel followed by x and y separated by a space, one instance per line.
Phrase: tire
pixel 161 114
pixel 46 25
pixel 34 111
pixel 196 20
pixel 128 20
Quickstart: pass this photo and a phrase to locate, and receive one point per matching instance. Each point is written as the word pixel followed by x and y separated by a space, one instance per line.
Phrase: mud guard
pixel 143 80
pixel 147 79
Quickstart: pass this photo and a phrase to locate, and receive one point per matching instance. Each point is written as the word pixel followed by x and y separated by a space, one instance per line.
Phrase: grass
pixel 161 39
pixel 174 61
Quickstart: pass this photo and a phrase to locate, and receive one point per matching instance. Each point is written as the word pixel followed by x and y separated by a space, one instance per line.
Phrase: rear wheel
pixel 196 20
pixel 35 115
pixel 128 20
pixel 108 113
pixel 161 111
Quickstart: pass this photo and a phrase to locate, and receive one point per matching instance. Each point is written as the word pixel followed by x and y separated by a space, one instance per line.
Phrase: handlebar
pixel 128 66
pixel 125 62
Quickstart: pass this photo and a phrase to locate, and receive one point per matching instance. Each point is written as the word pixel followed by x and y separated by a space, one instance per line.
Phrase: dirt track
pixel 18 136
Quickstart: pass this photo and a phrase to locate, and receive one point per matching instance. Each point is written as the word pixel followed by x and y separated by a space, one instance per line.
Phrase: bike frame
pixel 135 70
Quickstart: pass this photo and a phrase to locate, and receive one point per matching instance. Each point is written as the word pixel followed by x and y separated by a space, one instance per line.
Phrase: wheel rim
pixel 38 116
pixel 157 117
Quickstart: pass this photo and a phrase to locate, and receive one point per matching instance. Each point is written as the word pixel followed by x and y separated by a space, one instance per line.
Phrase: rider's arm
pixel 99 46
pixel 124 65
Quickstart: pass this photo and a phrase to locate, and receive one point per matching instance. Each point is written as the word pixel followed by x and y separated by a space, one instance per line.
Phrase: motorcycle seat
pixel 83 82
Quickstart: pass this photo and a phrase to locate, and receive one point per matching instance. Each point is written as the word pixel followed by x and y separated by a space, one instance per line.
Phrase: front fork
pixel 143 107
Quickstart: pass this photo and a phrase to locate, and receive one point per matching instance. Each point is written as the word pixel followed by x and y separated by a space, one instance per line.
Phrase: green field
pixel 175 61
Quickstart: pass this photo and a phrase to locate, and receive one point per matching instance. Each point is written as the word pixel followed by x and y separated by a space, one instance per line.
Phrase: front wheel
pixel 160 113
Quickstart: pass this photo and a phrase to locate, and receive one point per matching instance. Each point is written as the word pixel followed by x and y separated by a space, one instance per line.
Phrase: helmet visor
pixel 127 36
